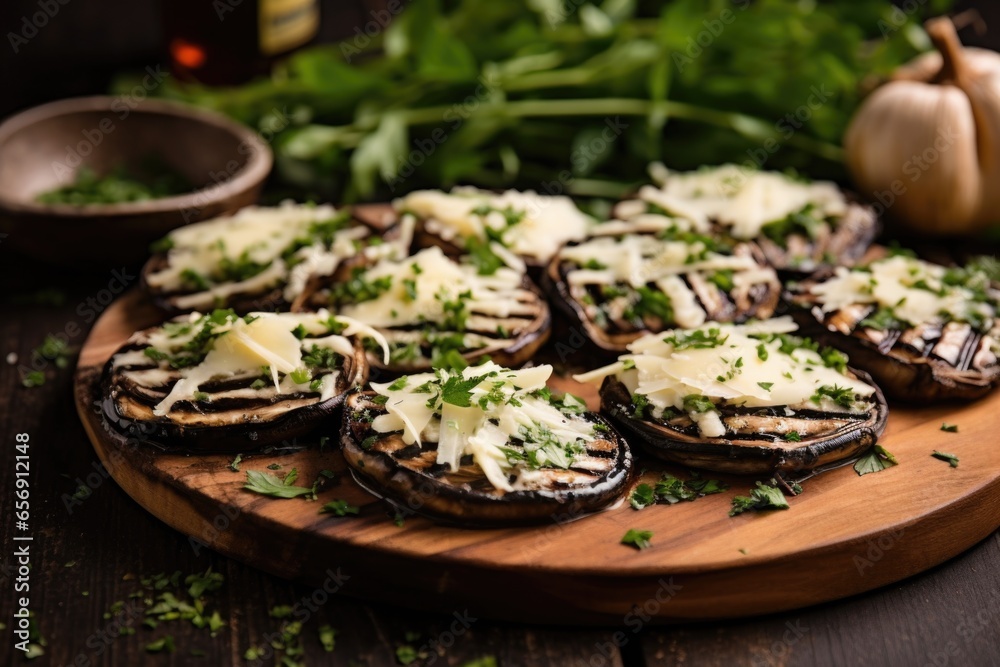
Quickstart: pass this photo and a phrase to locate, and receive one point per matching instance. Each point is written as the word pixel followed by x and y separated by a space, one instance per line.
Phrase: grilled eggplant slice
pixel 487 224
pixel 654 273
pixel 802 227
pixel 433 309
pixel 747 399
pixel 925 332
pixel 220 382
pixel 487 445
pixel 263 258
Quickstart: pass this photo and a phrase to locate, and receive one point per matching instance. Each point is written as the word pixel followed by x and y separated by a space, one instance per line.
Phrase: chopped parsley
pixel 234 465
pixel 340 508
pixel 698 403
pixel 672 490
pixel 950 428
pixel 642 497
pixel 267 484
pixel 640 403
pixel 952 459
pixel 876 460
pixel 766 386
pixel 697 339
pixel 359 288
pixel 762 352
pixel 793 436
pixel 840 395
pixel 640 539
pixel 762 497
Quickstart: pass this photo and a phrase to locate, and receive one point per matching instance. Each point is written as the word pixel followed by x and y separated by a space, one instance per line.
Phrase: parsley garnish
pixel 950 428
pixel 698 403
pixel 457 390
pixel 640 403
pixel 945 456
pixel 638 538
pixel 234 465
pixel 399 384
pixel 339 507
pixel 876 460
pixel 766 386
pixel 267 484
pixel 793 436
pixel 762 497
pixel 762 352
pixel 842 396
pixel 327 637
pixel 642 497
pixel 697 339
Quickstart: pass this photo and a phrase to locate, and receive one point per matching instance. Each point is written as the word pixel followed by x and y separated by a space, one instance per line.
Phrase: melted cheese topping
pixel 738 366
pixel 743 200
pixel 482 418
pixel 914 290
pixel 260 235
pixel 424 283
pixel 544 224
pixel 242 347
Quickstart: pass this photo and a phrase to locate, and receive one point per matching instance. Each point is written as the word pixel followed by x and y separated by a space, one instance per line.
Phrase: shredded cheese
pixel 535 227
pixel 731 364
pixel 744 200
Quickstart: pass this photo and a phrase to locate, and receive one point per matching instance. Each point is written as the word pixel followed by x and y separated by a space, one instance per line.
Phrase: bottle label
pixel 285 24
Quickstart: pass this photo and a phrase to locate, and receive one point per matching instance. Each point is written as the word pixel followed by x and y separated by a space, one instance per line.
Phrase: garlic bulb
pixel 926 145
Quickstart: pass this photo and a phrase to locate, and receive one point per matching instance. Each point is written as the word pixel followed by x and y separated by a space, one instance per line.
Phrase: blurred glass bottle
pixel 232 41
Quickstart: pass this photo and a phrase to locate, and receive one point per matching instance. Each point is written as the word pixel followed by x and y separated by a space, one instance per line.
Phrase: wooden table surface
pixel 90 552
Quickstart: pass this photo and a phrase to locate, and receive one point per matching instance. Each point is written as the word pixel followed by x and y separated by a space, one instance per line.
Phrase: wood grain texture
pixel 703 565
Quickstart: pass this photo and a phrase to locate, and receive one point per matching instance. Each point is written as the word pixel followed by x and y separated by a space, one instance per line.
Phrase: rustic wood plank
pixel 754 563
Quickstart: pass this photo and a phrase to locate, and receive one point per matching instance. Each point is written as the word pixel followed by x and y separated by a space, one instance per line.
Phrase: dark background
pixel 89 41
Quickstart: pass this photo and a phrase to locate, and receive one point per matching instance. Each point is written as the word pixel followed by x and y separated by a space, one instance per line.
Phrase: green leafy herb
pixel 152 180
pixel 642 497
pixel 876 460
pixel 640 539
pixel 762 352
pixel 793 436
pixel 950 428
pixel 945 456
pixel 234 465
pixel 164 645
pixel 697 339
pixel 842 396
pixel 267 484
pixel 640 404
pixel 766 386
pixel 340 508
pixel 33 379
pixel 762 497
pixel 698 403
pixel 327 637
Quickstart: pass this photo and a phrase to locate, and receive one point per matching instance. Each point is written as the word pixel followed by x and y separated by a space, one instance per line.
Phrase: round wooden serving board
pixel 844 535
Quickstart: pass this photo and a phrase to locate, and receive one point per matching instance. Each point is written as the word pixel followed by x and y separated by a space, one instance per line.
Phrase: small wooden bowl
pixel 43 148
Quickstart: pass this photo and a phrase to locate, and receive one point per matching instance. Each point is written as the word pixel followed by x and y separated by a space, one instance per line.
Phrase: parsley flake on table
pixel 267 484
pixel 876 460
pixel 945 456
pixel 950 428
pixel 640 539
pixel 164 645
pixel 339 507
pixel 762 497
